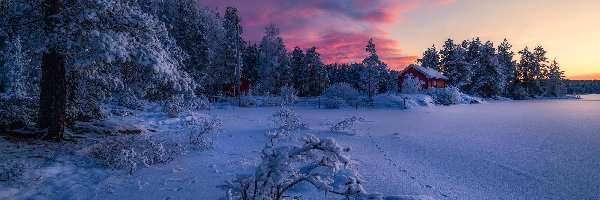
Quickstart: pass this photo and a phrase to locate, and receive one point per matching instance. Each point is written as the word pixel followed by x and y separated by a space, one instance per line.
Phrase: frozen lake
pixel 535 149
pixel 540 149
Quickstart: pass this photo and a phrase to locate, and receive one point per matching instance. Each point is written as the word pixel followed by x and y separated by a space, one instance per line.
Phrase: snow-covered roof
pixel 428 72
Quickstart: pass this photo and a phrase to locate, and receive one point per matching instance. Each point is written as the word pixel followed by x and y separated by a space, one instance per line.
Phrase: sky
pixel 403 29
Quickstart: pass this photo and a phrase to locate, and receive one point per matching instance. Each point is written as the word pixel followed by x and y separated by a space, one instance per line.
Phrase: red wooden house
pixel 229 89
pixel 431 77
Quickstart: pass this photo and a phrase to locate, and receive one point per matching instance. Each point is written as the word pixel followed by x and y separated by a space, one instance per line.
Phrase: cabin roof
pixel 428 72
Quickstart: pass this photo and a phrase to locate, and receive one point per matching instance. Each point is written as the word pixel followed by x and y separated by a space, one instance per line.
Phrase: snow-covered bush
pixel 347 124
pixel 286 119
pixel 178 104
pixel 445 96
pixel 129 152
pixel 339 94
pixel 201 127
pixel 197 103
pixel 17 112
pixel 412 85
pixel 334 102
pixel 83 109
pixel 287 95
pixel 249 101
pixel 315 161
pixel 174 106
pixel 131 101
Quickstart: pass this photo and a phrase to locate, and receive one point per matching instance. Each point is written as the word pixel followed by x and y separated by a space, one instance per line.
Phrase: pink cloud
pixel 339 29
pixel 444 2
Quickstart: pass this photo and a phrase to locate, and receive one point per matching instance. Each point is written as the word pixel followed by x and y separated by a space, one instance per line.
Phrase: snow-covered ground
pixel 534 149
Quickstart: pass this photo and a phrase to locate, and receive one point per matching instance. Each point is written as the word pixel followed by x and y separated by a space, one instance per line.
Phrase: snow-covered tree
pixel 15 71
pixel 371 73
pixel 317 79
pixel 431 59
pixel 274 62
pixel 216 74
pixel 509 68
pixel 472 48
pixel 183 21
pixel 102 46
pixel 554 85
pixel 412 85
pixel 455 65
pixel 300 73
pixel 488 79
pixel 531 68
pixel 250 66
pixel 234 44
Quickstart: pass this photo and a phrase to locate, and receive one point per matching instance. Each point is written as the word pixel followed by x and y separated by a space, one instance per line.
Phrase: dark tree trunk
pixel 53 83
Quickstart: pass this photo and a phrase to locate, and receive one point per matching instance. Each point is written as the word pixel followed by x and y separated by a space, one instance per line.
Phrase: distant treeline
pixel 582 86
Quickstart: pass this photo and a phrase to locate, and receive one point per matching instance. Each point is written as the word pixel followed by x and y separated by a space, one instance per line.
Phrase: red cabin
pixel 229 89
pixel 431 77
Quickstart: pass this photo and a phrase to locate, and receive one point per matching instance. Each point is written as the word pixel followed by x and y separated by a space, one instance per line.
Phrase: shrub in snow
pixel 83 109
pixel 334 102
pixel 131 151
pixel 174 106
pixel 197 103
pixel 201 127
pixel 18 112
pixel 346 124
pixel 445 96
pixel 287 95
pixel 412 85
pixel 286 119
pixel 249 101
pixel 339 94
pixel 131 101
pixel 318 162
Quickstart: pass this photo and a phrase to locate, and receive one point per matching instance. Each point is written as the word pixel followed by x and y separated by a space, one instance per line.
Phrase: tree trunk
pixel 52 94
pixel 53 83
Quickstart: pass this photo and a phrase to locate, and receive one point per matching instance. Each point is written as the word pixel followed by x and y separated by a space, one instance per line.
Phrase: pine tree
pixel 370 74
pixel 531 70
pixel 274 62
pixel 96 44
pixel 431 59
pixel 216 74
pixel 488 79
pixel 454 64
pixel 234 43
pixel 250 66
pixel 554 83
pixel 183 21
pixel 541 69
pixel 509 68
pixel 300 74
pixel 472 57
pixel 317 80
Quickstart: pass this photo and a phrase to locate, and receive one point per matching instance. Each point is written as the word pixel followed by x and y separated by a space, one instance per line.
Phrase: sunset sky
pixel 569 30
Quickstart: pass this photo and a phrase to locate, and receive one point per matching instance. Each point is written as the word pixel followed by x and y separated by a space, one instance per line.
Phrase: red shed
pixel 229 89
pixel 431 77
